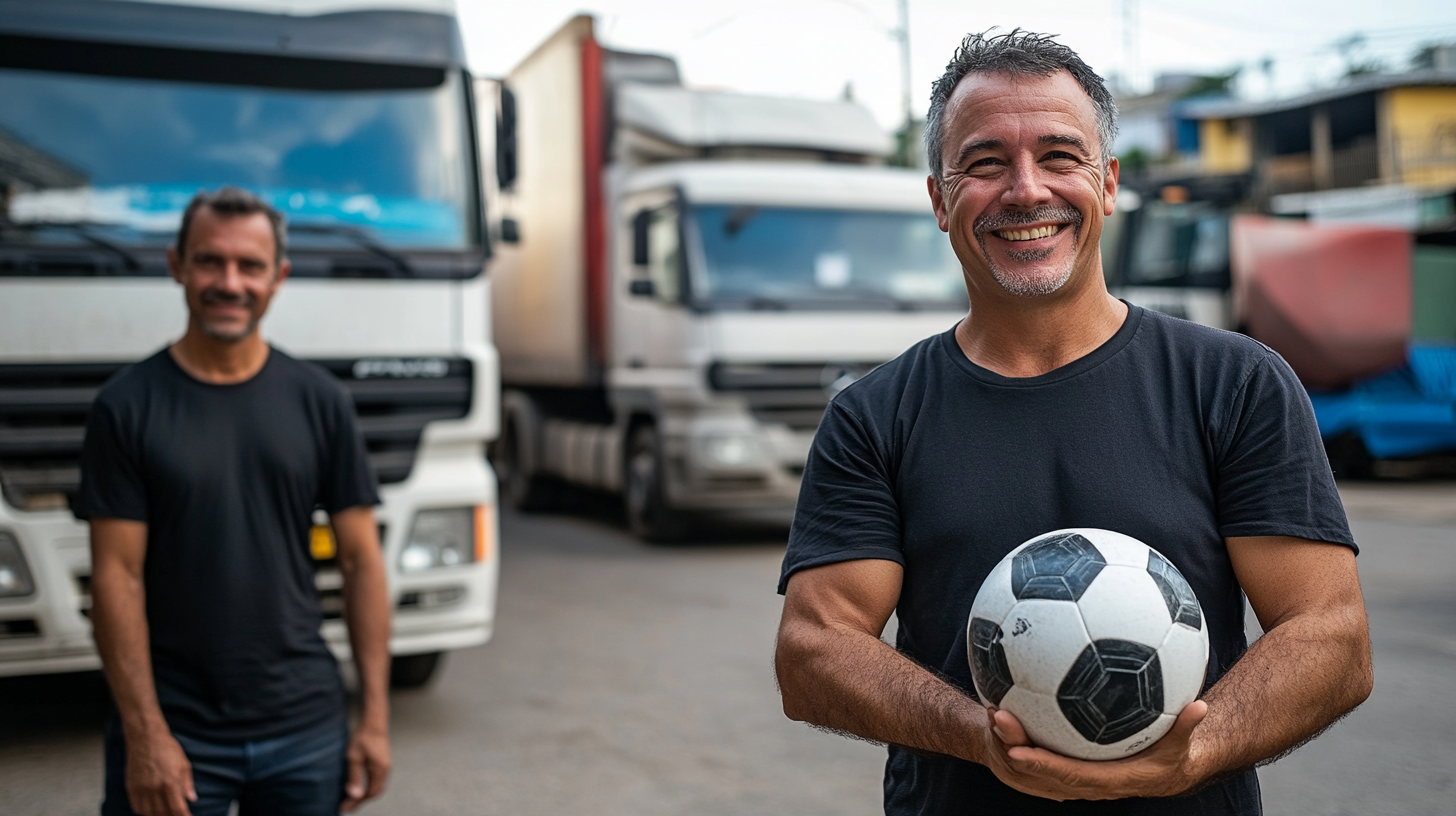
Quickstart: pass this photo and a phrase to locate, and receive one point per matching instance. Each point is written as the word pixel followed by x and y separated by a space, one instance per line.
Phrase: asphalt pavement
pixel 627 678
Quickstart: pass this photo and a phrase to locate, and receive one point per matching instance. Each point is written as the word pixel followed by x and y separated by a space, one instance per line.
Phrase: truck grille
pixel 43 418
pixel 793 394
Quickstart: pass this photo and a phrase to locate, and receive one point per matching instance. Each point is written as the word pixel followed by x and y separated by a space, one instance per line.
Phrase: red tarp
pixel 1335 301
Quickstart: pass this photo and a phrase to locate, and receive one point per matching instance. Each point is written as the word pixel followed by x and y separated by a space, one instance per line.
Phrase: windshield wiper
pixel 80 228
pixel 360 238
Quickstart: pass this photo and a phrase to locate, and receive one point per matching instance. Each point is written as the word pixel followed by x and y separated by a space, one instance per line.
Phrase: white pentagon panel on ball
pixel 1117 548
pixel 1125 603
pixel 1184 655
pixel 1043 722
pixel 1042 640
pixel 994 599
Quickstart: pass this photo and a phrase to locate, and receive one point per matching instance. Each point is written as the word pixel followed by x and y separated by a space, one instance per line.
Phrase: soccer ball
pixel 1091 638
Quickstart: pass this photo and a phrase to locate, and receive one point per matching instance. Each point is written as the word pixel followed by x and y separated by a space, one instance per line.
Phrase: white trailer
pixel 686 277
pixel 360 127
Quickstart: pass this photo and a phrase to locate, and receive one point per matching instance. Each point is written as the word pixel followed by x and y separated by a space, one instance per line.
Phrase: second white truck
pixel 684 279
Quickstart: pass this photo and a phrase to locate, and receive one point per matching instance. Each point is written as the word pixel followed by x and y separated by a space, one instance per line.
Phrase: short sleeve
pixel 847 509
pixel 1273 475
pixel 348 479
pixel 112 483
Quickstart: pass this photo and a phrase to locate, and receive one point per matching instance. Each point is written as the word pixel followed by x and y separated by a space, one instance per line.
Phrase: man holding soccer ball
pixel 1053 405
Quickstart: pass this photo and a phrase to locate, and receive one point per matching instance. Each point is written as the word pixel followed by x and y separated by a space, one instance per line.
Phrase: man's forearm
pixel 119 620
pixel 366 611
pixel 1293 683
pixel 840 678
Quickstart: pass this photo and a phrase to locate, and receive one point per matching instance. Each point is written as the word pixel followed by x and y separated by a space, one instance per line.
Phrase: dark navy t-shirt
pixel 226 478
pixel 1173 433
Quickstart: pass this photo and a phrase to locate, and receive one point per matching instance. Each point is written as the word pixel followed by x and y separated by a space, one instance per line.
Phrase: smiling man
pixel 201 471
pixel 1054 405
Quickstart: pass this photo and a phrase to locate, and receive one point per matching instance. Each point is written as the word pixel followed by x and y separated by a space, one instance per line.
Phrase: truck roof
pixel 420 33
pixel 700 118
pixel 790 184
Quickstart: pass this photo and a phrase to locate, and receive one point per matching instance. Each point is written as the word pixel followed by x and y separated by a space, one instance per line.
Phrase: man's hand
pixel 369 765
pixel 1165 768
pixel 158 776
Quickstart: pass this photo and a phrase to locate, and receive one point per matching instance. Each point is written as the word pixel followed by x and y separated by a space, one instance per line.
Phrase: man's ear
pixel 1109 186
pixel 284 267
pixel 937 202
pixel 174 264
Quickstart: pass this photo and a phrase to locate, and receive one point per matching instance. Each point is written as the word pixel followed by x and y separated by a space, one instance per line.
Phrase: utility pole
pixel 902 34
pixel 1130 44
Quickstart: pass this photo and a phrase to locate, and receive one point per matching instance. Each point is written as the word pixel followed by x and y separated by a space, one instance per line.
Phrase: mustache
pixel 1013 218
pixel 218 297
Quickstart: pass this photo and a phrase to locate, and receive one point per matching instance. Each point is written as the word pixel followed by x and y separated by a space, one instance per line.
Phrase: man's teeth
pixel 1029 235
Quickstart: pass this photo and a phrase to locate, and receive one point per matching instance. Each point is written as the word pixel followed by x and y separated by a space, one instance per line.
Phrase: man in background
pixel 201 471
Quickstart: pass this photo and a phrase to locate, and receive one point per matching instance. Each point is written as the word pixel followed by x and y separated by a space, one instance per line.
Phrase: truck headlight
pixel 15 580
pixel 728 451
pixel 445 537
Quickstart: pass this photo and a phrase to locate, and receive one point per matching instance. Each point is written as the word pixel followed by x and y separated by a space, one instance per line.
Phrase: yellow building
pixel 1374 130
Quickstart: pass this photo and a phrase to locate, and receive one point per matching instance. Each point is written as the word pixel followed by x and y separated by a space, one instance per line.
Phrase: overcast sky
pixel 814 48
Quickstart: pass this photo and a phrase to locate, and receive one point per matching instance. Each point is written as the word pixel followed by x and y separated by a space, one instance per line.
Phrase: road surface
pixel 634 679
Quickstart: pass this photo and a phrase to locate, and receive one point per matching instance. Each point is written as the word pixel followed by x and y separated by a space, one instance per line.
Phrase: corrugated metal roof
pixel 1358 85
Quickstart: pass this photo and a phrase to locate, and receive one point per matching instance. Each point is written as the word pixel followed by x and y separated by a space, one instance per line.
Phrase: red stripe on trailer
pixel 596 226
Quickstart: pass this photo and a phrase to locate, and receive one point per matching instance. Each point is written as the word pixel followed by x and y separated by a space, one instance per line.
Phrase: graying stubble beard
pixel 212 296
pixel 1023 286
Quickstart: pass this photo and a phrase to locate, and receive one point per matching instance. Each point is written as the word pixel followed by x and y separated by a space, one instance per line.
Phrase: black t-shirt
pixel 1176 434
pixel 226 478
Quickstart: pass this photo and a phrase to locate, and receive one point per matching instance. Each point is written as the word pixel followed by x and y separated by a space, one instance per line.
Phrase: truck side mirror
pixel 640 222
pixel 641 287
pixel 506 150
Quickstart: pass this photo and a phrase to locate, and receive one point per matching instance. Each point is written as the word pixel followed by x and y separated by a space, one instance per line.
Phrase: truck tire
pixel 649 515
pixel 413 671
pixel 522 488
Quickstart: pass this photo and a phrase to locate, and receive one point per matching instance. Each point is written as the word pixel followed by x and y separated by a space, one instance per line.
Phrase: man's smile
pixel 1031 234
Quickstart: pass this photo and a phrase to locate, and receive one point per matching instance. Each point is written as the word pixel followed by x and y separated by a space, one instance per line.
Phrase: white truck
pixel 359 126
pixel 685 277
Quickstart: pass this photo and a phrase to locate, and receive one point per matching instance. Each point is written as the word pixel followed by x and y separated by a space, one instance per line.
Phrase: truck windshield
pixel 1180 245
pixel 116 159
pixel 770 257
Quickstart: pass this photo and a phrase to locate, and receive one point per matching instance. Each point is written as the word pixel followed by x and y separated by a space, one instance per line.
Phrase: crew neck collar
pixel 1086 362
pixel 176 366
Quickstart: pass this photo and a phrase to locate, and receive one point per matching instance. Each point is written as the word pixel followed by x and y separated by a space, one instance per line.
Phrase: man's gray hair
pixel 1017 53
pixel 230 202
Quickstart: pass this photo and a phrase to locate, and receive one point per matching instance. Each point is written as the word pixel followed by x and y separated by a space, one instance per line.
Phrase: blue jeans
pixel 300 774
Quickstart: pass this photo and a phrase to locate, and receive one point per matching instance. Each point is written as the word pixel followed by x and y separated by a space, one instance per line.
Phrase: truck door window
pixel 664 254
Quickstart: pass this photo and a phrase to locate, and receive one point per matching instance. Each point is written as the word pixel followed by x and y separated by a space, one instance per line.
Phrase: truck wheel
pixel 649 515
pixel 521 488
pixel 413 671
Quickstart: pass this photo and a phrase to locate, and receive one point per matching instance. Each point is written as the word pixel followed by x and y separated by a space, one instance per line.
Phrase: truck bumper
pixel 719 462
pixel 49 632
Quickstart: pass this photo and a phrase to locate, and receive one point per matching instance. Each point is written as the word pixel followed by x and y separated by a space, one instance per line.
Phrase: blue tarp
pixel 1406 412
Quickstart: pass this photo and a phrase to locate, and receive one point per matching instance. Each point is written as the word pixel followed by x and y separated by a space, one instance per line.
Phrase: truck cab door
pixel 654 324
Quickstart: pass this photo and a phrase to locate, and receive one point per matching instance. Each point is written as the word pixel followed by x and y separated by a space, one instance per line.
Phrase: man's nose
pixel 1026 188
pixel 232 276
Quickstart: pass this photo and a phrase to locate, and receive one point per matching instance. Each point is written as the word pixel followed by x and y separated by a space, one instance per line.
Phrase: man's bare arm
pixel 366 610
pixel 158 775
pixel 835 672
pixel 1311 667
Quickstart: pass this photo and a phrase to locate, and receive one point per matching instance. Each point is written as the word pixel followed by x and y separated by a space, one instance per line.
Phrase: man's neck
pixel 1028 337
pixel 219 362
